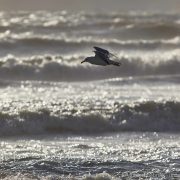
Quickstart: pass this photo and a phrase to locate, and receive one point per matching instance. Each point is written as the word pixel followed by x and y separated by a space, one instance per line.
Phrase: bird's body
pixel 101 58
pixel 96 60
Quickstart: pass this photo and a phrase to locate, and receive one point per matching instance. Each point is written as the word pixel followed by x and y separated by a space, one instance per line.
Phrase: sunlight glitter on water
pixel 139 153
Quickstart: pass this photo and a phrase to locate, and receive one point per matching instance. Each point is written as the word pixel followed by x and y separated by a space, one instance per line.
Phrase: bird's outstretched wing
pixel 104 52
pixel 102 56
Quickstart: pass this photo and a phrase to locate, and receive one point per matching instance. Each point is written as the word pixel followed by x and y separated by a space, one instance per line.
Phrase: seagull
pixel 102 58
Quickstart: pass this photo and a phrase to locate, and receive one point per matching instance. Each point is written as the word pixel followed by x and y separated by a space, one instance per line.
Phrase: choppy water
pixel 63 119
pixel 112 156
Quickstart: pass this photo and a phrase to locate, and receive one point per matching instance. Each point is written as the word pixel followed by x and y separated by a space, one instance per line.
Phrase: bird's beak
pixel 83 61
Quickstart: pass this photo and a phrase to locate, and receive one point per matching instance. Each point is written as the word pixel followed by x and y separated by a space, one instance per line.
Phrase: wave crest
pixel 147 116
pixel 56 68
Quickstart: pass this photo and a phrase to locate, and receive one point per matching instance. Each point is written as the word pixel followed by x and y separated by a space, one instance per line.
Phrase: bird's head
pixel 85 60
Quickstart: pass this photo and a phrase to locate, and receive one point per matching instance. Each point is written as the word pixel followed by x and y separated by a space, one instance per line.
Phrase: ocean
pixel 60 119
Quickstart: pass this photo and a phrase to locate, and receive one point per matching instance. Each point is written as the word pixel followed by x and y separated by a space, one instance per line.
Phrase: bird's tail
pixel 115 63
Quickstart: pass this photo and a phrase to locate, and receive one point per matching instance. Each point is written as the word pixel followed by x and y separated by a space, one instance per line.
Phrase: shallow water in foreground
pixel 114 156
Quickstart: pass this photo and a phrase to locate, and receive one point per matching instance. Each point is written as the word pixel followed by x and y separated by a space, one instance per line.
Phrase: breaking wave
pixel 146 116
pixel 54 43
pixel 57 68
pixel 133 25
pixel 38 33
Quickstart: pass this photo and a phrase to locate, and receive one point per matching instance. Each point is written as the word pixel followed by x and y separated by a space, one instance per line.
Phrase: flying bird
pixel 102 58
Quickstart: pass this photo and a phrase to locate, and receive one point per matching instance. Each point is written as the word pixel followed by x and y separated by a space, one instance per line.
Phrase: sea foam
pixel 148 116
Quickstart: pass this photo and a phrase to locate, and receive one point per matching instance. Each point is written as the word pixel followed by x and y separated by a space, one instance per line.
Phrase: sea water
pixel 60 119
